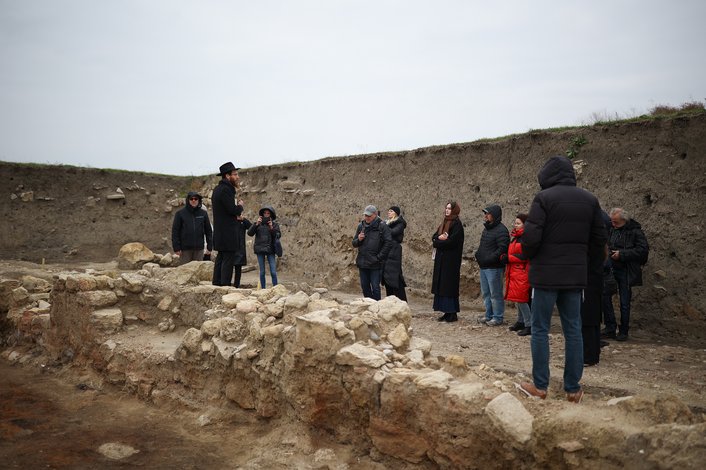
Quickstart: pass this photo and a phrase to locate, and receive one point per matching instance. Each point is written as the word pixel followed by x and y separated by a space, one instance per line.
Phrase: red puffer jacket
pixel 517 287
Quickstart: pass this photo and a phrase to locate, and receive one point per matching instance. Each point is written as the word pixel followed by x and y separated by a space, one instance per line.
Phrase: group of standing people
pixel 191 225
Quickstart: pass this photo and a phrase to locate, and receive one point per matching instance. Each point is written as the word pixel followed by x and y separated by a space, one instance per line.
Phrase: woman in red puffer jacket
pixel 517 287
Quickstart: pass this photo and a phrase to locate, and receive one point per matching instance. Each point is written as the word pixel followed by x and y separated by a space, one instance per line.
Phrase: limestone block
pixel 165 304
pixel 398 337
pixel 192 340
pixel 247 306
pixel 43 305
pixel 415 356
pixel 509 415
pixel 167 260
pixel 133 282
pixel 19 297
pixel 231 300
pixel 322 304
pixel 233 329
pixel 466 391
pixel 272 331
pixel 35 284
pixel 225 350
pixel 97 298
pixel 207 346
pixel 81 282
pixel 211 327
pixel 342 331
pixel 276 309
pixel 316 335
pixel 394 309
pixel 422 344
pixel 104 282
pixel 134 255
pixel 296 302
pixel 360 355
pixel 108 320
pixel 438 379
pixel 190 273
pixel 152 268
pixel 41 322
pixel 263 295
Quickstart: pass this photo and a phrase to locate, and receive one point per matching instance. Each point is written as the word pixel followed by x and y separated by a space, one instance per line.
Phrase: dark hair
pixel 522 216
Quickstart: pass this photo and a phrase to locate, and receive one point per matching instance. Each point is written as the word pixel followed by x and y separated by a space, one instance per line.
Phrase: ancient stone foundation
pixel 354 370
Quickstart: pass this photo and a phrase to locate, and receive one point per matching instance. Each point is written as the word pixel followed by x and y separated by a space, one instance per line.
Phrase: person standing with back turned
pixel 564 228
pixel 225 228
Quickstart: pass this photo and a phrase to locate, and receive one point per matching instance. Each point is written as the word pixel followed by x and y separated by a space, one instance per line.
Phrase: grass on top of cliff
pixel 659 112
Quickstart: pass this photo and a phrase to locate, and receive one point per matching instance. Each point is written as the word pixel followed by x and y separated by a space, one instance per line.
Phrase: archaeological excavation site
pixel 115 355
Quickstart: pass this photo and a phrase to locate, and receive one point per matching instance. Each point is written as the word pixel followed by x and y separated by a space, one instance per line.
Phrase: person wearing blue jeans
pixel 370 282
pixel 491 286
pixel 266 231
pixel 491 257
pixel 272 262
pixel 564 229
pixel 568 303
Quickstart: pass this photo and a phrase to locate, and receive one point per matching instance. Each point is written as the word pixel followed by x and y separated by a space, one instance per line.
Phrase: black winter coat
pixel 190 226
pixel 225 212
pixel 447 261
pixel 632 244
pixel 241 258
pixel 563 228
pixel 373 250
pixel 392 272
pixel 494 241
pixel 265 238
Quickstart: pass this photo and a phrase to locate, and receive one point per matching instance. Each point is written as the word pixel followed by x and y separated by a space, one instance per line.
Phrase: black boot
pixel 451 317
pixel 517 326
pixel 443 317
pixel 525 331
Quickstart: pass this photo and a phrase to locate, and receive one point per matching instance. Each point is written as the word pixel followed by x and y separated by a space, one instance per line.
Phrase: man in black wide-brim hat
pixel 226 210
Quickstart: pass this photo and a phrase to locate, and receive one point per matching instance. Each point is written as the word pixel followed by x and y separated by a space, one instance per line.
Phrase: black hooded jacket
pixel 493 241
pixel 563 229
pixel 632 244
pixel 190 226
pixel 373 250
pixel 264 237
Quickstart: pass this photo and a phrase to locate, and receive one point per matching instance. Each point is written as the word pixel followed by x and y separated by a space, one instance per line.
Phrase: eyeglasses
pixel 193 199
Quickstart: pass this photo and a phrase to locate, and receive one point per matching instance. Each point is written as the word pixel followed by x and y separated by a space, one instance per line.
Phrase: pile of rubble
pixel 352 369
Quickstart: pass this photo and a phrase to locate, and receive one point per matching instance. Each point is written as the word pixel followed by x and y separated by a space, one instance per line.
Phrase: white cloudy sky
pixel 181 86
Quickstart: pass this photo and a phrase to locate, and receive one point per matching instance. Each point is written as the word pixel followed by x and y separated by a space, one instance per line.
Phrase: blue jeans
pixel 625 296
pixel 524 315
pixel 370 282
pixel 273 268
pixel 491 286
pixel 568 303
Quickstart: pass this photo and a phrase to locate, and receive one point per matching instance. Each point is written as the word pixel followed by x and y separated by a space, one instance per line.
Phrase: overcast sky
pixel 182 86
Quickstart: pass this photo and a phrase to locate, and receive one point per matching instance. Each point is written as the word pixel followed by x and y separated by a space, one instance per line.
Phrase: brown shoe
pixel 531 391
pixel 575 397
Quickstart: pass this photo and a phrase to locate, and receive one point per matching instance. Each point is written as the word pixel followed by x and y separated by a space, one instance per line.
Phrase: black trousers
pixel 396 291
pixel 223 268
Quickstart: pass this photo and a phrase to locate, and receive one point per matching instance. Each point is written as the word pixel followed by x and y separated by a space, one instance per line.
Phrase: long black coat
pixel 447 262
pixel 392 271
pixel 563 228
pixel 241 258
pixel 225 212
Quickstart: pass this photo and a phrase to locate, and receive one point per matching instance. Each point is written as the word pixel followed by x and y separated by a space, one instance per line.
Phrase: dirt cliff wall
pixel 654 169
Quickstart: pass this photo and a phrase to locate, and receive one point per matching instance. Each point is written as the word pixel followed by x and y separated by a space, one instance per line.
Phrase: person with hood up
pixel 266 231
pixel 190 226
pixel 392 277
pixel 563 231
pixel 517 287
pixel 373 240
pixel 491 255
pixel 447 252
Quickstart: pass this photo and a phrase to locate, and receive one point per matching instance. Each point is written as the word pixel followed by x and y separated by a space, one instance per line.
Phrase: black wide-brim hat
pixel 226 168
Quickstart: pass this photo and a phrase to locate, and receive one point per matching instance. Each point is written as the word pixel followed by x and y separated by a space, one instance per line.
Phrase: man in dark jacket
pixel 563 230
pixel 225 229
pixel 189 228
pixel 492 249
pixel 628 252
pixel 374 241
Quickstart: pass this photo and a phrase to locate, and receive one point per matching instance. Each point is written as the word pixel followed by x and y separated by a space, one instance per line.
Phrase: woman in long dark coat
pixel 241 226
pixel 392 277
pixel 448 248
